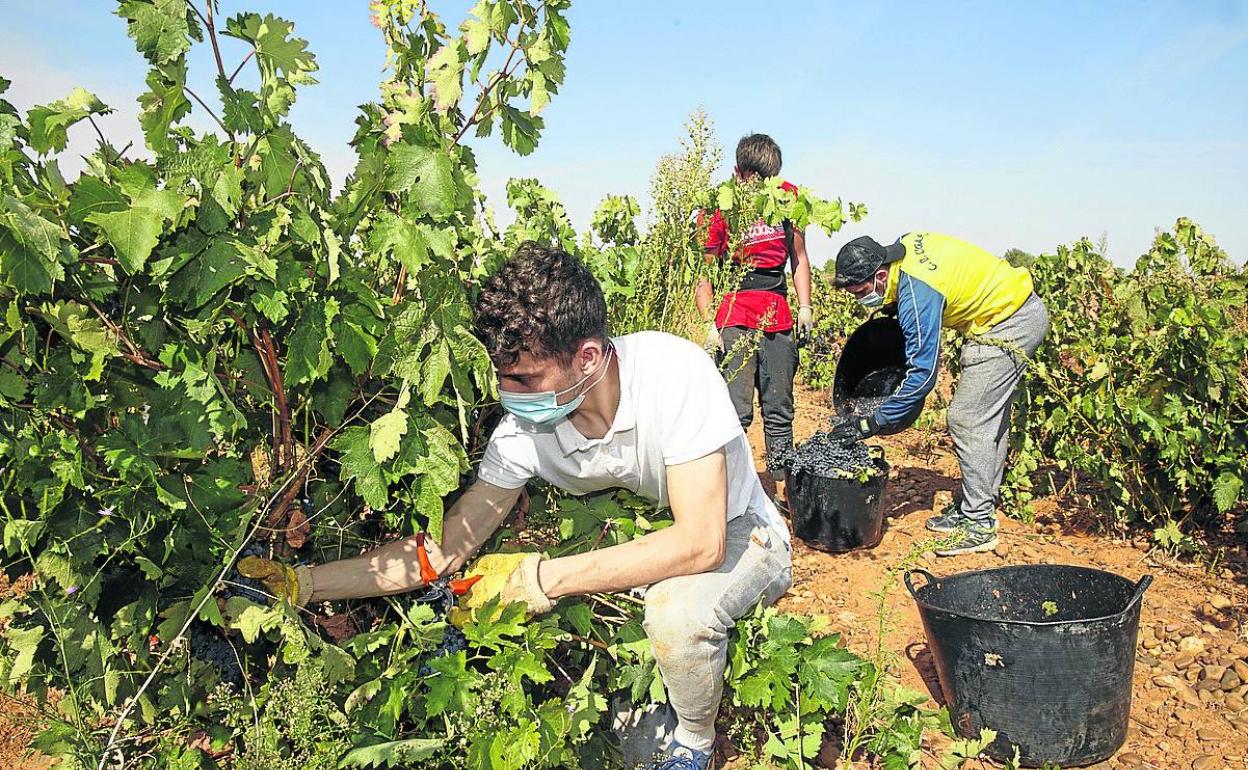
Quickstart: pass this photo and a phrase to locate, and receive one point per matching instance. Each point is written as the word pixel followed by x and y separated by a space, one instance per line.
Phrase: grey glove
pixel 805 321
pixel 714 339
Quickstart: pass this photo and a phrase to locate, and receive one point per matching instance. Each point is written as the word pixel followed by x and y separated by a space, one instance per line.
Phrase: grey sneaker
pixel 948 520
pixel 683 758
pixel 977 538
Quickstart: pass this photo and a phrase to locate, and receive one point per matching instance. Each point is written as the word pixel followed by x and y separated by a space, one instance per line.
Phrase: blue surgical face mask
pixel 874 299
pixel 543 407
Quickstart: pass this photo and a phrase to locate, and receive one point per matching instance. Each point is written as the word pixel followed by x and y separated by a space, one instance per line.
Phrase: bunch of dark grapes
pixel 452 642
pixel 237 585
pixel 874 389
pixel 112 308
pixel 208 644
pixel 823 457
pixel 863 407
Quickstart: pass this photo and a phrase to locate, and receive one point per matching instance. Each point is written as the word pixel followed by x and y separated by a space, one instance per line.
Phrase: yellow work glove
pixel 512 577
pixel 292 584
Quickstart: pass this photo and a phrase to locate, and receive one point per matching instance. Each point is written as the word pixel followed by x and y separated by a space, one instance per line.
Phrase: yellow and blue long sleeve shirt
pixel 944 282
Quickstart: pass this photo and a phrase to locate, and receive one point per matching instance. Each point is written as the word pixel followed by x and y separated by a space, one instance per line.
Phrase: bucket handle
pixel 910 585
pixel 1140 588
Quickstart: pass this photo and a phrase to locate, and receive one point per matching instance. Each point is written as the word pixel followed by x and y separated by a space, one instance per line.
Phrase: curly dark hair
pixel 543 301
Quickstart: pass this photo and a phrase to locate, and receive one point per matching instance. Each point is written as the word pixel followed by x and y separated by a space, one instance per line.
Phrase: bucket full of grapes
pixel 836 494
pixel 872 365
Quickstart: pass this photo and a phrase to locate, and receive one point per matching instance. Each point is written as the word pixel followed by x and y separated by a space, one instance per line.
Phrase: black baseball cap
pixel 860 258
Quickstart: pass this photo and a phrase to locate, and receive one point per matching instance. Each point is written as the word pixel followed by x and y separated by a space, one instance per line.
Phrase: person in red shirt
pixel 759 306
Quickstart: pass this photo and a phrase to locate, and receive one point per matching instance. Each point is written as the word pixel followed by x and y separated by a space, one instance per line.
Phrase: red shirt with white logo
pixel 764 246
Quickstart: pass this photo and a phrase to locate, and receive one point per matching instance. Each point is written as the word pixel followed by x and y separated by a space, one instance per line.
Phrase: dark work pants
pixel 766 361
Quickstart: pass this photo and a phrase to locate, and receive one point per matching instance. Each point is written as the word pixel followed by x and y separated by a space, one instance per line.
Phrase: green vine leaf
pixel 426 174
pixel 50 123
pixel 24 643
pixel 133 234
pixel 161 29
pixel 392 753
pixel 446 71
pixel 386 432
pixel 359 465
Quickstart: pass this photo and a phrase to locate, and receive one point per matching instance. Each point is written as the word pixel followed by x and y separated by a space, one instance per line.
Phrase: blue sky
pixel 1007 124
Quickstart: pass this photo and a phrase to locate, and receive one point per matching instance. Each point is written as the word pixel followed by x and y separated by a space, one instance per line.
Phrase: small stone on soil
pixel 1208 685
pixel 1192 644
pixel 1187 694
pixel 1241 668
pixel 1213 672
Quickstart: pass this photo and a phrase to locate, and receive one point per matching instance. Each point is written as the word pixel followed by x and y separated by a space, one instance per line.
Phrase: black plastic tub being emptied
pixel 872 365
pixel 836 514
pixel 1043 654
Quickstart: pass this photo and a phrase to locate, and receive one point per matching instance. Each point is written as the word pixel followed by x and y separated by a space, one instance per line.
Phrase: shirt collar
pixel 571 440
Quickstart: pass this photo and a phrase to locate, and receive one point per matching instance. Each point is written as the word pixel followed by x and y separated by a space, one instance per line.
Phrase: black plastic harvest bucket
pixel 837 514
pixel 1043 654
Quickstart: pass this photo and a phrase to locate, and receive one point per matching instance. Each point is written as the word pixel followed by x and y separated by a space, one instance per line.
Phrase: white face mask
pixel 543 407
pixel 874 298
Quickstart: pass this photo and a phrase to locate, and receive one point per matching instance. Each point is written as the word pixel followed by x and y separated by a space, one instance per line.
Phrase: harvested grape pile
pixel 874 389
pixel 823 457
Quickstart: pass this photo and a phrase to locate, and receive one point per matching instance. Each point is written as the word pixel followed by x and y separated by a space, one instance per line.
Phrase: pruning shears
pixel 443 591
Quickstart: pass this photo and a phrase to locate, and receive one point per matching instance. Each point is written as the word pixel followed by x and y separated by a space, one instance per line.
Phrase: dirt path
pixel 1188 711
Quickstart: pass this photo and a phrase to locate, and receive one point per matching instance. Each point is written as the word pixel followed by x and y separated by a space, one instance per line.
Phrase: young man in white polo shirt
pixel 648 412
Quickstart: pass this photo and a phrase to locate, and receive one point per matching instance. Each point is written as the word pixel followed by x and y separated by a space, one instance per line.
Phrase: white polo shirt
pixel 674 408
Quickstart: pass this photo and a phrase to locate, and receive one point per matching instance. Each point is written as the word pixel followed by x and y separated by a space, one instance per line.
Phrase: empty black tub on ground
pixel 838 514
pixel 1043 654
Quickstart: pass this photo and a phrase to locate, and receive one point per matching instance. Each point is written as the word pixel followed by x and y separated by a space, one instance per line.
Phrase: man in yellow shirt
pixel 937 281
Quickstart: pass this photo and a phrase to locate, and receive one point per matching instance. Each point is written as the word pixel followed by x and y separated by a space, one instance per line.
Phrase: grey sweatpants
pixel 766 361
pixel 688 619
pixel 979 415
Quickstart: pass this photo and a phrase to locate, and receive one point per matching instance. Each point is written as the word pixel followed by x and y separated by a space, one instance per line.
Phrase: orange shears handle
pixel 460 587
pixel 427 573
